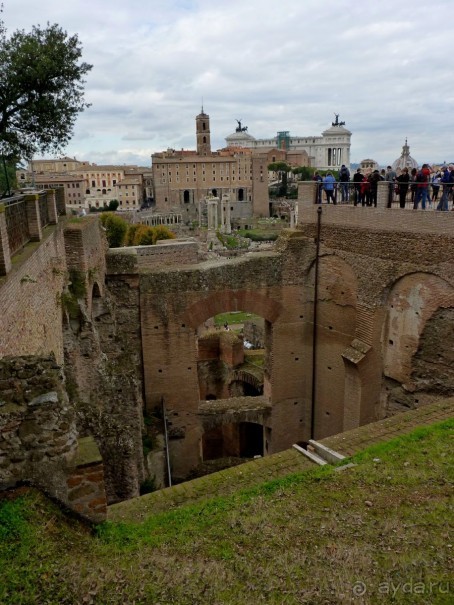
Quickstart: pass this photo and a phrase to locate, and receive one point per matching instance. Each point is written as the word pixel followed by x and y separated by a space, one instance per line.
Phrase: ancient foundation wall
pixel 30 303
pixel 38 437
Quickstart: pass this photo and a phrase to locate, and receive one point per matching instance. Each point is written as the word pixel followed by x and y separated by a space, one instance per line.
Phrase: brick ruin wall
pixel 30 321
pixel 141 325
pixel 38 436
pixel 41 315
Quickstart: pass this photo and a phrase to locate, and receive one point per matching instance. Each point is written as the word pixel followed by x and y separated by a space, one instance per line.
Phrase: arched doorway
pixel 233 440
pixel 186 196
pixel 241 195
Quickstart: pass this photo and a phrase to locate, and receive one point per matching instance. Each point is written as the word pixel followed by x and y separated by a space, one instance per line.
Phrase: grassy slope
pixel 304 539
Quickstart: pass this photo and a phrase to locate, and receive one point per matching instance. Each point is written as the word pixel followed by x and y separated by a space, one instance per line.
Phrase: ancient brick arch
pixel 336 330
pixel 411 302
pixel 243 376
pixel 232 300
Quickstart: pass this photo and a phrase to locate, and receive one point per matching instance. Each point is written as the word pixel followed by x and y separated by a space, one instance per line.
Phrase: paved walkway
pixel 277 465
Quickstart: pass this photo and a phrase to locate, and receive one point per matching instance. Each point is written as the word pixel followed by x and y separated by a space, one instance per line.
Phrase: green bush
pixel 115 227
pixel 162 232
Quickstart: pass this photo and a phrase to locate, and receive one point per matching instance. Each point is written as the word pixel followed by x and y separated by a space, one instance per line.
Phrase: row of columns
pixel 214 206
pixel 163 219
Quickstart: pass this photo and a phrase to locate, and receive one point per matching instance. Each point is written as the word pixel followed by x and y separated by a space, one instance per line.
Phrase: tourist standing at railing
pixel 365 191
pixel 436 180
pixel 373 180
pixel 344 178
pixel 357 179
pixel 390 176
pixel 447 178
pixel 403 181
pixel 422 187
pixel 328 185
pixel 319 180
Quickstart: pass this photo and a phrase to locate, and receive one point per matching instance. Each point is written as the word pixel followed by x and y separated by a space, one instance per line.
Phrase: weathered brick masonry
pixel 385 305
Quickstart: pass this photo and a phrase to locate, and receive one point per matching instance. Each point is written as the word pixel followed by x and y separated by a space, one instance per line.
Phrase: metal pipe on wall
pixel 314 328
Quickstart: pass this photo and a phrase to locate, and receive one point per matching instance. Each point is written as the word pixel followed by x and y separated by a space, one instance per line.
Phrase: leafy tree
pixel 41 89
pixel 7 176
pixel 115 227
pixel 306 173
pixel 282 168
pixel 113 205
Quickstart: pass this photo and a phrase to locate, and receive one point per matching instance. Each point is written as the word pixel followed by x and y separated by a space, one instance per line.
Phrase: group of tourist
pixel 424 185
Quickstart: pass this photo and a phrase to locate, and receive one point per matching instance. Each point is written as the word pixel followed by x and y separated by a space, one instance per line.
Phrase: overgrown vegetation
pixel 120 233
pixel 259 235
pixel 232 241
pixel 234 317
pixel 113 205
pixel 374 533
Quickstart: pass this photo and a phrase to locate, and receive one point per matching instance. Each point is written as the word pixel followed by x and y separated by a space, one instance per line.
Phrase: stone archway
pixel 417 339
pixel 411 302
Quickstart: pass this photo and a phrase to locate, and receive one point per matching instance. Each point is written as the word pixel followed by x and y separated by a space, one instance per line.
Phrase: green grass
pixel 306 538
pixel 234 318
pixel 260 235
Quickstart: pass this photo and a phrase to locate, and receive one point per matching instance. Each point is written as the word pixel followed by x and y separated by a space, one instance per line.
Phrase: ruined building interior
pixel 104 352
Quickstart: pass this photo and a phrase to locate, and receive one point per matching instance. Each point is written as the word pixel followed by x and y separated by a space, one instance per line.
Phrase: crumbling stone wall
pixel 38 435
pixel 103 361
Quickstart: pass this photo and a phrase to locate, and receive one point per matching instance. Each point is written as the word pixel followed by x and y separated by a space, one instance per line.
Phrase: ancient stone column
pixel 212 212
pixel 226 213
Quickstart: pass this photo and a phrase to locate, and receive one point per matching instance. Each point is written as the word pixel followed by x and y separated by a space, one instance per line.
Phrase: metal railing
pixel 16 223
pixel 399 195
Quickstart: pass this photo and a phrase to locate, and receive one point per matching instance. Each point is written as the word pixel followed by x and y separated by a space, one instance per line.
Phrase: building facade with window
pixel 184 178
pixel 330 150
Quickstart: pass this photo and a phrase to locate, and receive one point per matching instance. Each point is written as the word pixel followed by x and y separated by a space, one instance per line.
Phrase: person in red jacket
pixel 422 190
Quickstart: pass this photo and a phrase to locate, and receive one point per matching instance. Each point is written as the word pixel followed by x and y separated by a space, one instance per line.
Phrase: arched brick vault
pixel 232 300
pixel 411 302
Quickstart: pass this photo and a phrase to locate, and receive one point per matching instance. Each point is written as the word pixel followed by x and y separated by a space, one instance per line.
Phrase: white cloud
pixel 287 66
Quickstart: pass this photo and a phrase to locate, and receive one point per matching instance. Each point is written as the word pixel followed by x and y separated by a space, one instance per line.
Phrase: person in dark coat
pixel 403 181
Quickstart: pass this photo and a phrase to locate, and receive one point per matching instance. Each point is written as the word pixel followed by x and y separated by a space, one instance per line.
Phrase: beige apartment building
pixel 184 178
pixel 130 192
pixel 89 185
pixel 73 186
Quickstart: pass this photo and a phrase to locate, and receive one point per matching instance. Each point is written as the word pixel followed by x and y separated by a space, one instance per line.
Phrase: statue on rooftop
pixel 336 122
pixel 240 128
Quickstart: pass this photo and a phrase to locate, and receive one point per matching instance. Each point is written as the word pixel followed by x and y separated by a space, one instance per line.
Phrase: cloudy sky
pixel 384 66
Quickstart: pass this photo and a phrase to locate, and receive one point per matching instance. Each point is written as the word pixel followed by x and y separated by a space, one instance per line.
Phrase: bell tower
pixel 202 123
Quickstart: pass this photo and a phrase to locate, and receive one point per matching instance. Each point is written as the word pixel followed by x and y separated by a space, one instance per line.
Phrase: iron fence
pixel 399 195
pixel 16 224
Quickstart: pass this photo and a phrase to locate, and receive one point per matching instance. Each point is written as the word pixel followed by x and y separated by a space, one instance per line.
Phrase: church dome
pixel 405 160
pixel 239 139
